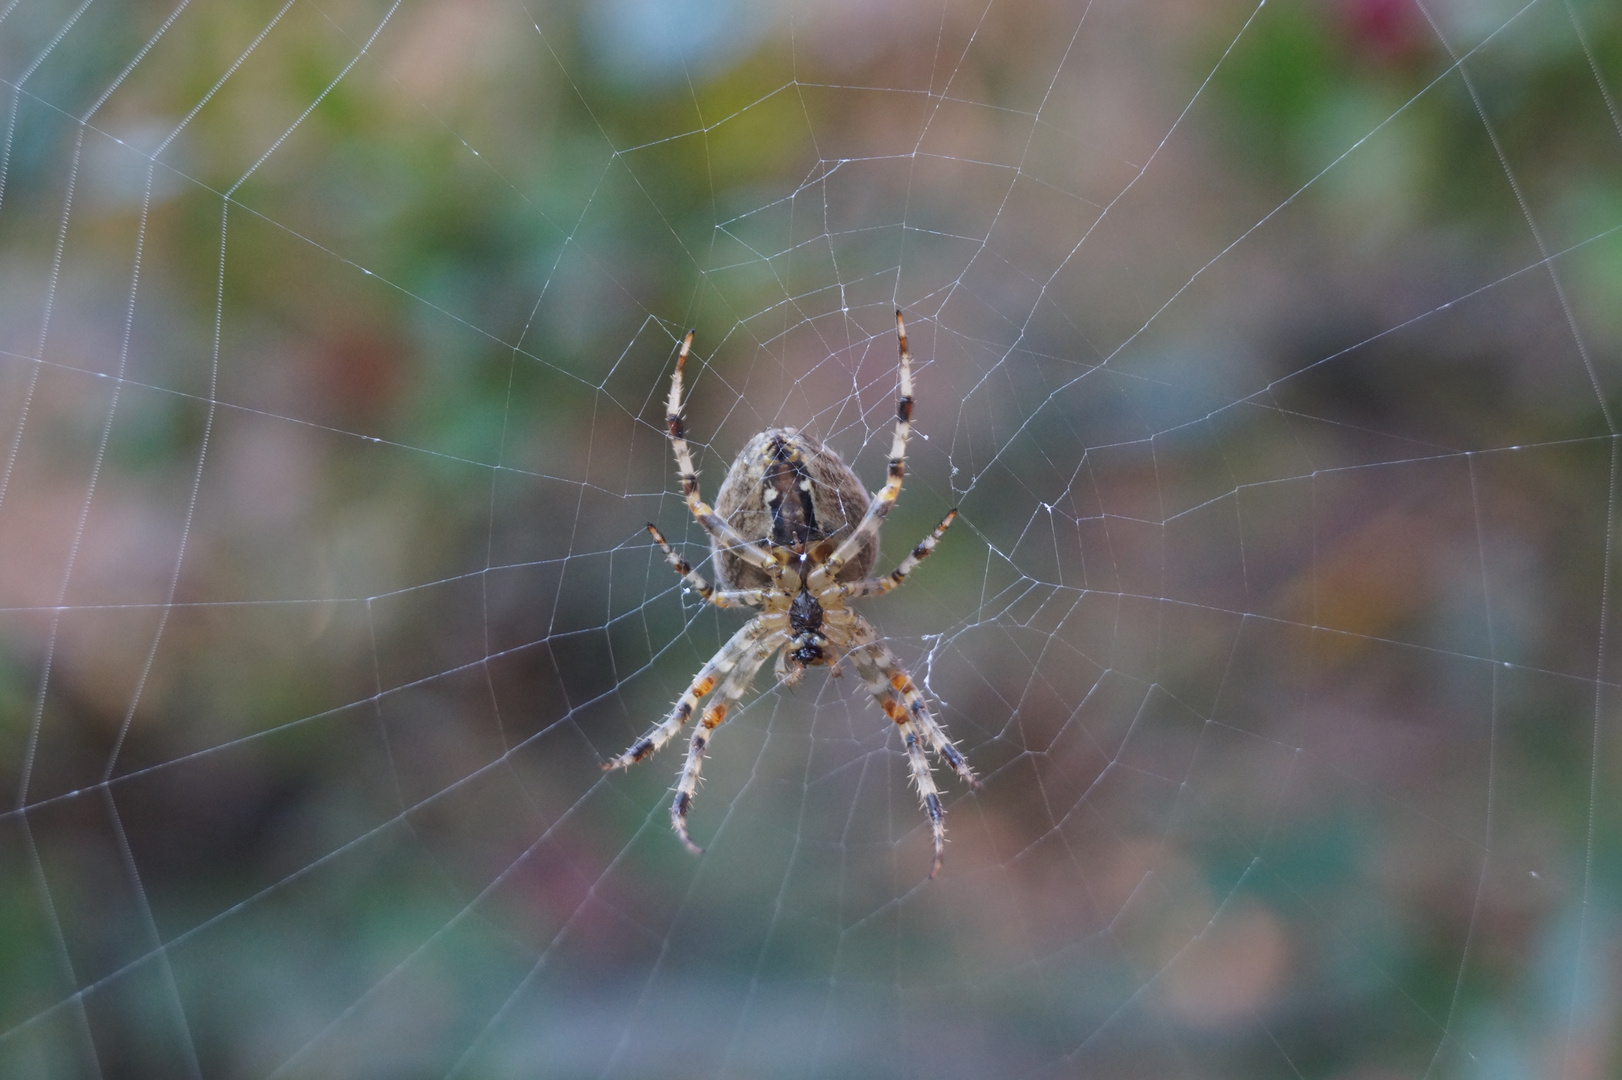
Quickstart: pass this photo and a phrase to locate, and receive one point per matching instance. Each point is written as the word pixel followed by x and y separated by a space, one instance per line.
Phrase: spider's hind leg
pixel 720 531
pixel 886 496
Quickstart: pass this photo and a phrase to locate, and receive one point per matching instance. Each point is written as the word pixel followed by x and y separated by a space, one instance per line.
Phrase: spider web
pixel 1269 353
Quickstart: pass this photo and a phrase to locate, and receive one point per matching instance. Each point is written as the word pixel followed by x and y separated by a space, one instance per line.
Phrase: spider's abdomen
pixel 788 489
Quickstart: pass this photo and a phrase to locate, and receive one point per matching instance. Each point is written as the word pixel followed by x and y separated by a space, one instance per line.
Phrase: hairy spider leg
pixel 885 498
pixel 718 597
pixel 736 685
pixel 927 793
pixel 714 524
pixel 737 648
pixel 918 766
pixel 876 665
pixel 880 586
pixel 902 702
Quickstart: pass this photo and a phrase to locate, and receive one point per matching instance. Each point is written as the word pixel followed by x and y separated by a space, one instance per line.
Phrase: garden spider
pixel 795 535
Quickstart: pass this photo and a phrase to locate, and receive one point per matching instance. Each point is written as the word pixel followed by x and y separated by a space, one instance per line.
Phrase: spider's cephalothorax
pixel 807 646
pixel 795 536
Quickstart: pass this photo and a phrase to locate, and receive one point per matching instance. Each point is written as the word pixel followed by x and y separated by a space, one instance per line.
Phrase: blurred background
pixel 1271 354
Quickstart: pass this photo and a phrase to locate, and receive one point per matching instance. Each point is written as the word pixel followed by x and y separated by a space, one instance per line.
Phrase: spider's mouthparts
pixel 807 651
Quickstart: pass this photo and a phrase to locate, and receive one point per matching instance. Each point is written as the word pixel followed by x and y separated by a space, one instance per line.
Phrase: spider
pixel 795 535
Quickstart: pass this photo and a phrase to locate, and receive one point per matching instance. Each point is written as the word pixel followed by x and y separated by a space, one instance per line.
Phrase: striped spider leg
pixel 898 695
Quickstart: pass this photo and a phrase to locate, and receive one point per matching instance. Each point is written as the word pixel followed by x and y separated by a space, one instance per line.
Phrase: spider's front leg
pixel 906 705
pixel 736 685
pixel 737 648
